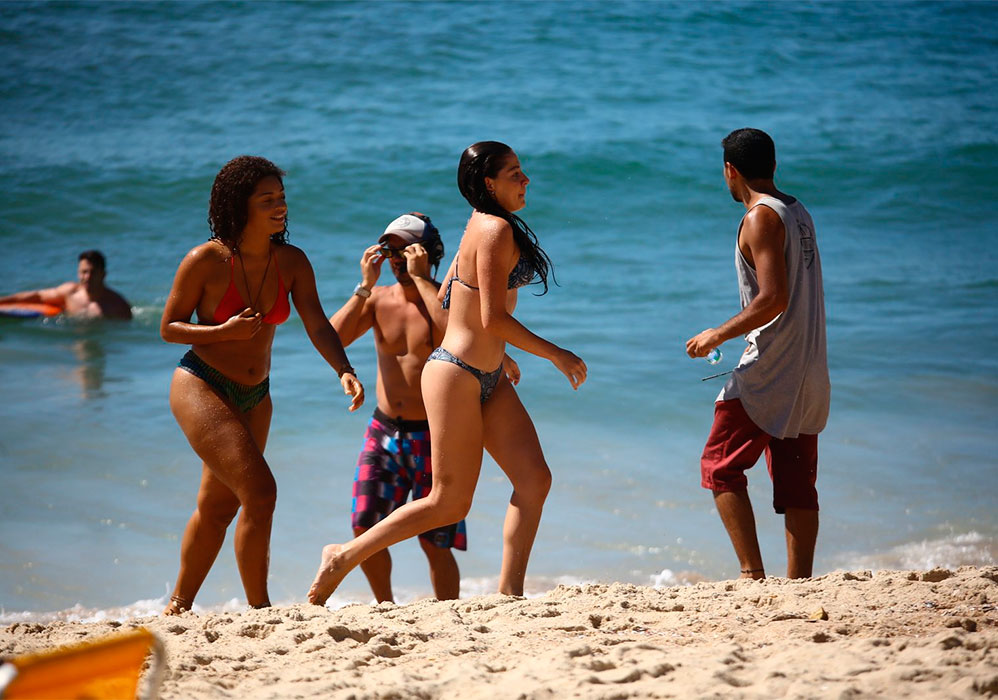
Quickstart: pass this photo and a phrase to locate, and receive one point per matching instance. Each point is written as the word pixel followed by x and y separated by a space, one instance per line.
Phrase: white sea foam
pixel 150 607
pixel 950 552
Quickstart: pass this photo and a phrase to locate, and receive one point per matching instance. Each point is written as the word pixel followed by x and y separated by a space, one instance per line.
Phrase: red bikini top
pixel 232 302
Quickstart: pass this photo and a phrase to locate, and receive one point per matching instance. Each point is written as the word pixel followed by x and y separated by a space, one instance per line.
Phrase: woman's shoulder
pixel 289 255
pixel 490 225
pixel 207 253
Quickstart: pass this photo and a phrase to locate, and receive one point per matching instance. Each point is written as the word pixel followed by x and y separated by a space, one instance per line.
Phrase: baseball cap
pixel 411 228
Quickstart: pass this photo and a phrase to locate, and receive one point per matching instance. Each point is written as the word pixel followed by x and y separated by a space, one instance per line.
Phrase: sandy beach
pixel 854 634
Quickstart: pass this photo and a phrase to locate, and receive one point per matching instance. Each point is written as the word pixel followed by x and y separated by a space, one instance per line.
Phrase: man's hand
pixel 511 369
pixel 701 344
pixel 417 261
pixel 370 266
pixel 352 388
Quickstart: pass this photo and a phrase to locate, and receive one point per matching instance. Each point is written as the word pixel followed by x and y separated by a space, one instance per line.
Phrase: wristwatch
pixel 362 291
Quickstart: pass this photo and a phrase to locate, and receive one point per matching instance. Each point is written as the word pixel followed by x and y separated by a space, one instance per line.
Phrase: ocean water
pixel 116 117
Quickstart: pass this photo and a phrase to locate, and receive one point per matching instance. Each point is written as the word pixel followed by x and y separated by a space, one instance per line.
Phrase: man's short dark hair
pixel 752 152
pixel 95 258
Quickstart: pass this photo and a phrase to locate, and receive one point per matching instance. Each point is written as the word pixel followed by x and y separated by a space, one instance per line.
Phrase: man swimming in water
pixel 88 297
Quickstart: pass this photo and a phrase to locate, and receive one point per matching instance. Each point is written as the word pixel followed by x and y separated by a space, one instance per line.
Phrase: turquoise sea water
pixel 116 117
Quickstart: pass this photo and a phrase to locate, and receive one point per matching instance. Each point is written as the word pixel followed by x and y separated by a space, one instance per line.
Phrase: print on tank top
pixel 806 243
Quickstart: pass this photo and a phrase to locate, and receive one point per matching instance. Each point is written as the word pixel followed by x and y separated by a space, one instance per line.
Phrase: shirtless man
pixel 87 298
pixel 408 323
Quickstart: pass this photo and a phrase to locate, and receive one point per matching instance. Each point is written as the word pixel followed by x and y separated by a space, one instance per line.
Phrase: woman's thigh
pixel 221 437
pixel 510 436
pixel 258 421
pixel 451 395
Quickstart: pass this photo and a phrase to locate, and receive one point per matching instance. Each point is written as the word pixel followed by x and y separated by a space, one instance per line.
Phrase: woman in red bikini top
pixel 239 284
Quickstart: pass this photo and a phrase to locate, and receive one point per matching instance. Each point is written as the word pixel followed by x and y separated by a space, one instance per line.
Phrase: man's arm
pixel 418 266
pixel 761 241
pixel 56 296
pixel 356 316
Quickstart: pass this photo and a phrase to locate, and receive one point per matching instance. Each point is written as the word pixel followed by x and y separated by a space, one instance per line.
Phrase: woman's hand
pixel 571 366
pixel 511 369
pixel 243 325
pixel 370 266
pixel 352 388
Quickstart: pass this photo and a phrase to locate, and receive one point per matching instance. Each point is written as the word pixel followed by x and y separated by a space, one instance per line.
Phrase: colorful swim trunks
pixel 394 461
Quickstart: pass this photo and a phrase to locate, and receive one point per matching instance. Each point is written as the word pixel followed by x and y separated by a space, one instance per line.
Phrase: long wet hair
pixel 486 159
pixel 228 210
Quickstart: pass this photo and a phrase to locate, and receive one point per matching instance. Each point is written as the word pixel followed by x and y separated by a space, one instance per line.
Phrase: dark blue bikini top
pixel 522 274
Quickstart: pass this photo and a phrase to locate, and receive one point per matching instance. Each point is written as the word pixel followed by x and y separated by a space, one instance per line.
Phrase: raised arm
pixel 320 331
pixel 496 253
pixel 761 241
pixel 418 266
pixel 185 294
pixel 356 316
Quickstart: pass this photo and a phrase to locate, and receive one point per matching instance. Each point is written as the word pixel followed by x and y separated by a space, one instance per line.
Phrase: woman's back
pixel 487 254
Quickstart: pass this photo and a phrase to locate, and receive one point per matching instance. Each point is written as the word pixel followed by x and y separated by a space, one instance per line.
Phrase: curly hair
pixel 485 159
pixel 228 210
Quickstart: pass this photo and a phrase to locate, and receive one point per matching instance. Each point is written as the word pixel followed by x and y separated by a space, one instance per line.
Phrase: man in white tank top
pixel 776 400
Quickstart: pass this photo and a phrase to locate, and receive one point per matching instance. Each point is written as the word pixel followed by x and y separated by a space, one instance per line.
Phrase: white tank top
pixel 782 378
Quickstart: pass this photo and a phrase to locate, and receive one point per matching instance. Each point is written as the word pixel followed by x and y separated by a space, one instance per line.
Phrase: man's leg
pixel 793 465
pixel 436 544
pixel 444 573
pixel 378 489
pixel 378 570
pixel 735 444
pixel 735 510
pixel 802 533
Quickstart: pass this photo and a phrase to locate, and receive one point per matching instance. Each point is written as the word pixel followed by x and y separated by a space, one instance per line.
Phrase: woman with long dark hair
pixel 238 283
pixel 470 403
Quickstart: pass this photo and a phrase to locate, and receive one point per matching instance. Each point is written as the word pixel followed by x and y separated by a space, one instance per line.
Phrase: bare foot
pixel 177 606
pixel 332 570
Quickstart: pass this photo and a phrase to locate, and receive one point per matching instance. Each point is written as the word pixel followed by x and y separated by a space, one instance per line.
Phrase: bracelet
pixel 346 370
pixel 362 291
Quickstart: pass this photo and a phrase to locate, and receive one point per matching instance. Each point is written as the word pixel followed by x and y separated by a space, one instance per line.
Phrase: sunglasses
pixel 388 252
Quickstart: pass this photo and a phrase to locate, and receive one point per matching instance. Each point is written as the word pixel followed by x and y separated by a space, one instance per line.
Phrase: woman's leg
pixel 234 474
pixel 512 441
pixel 203 538
pixel 451 396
